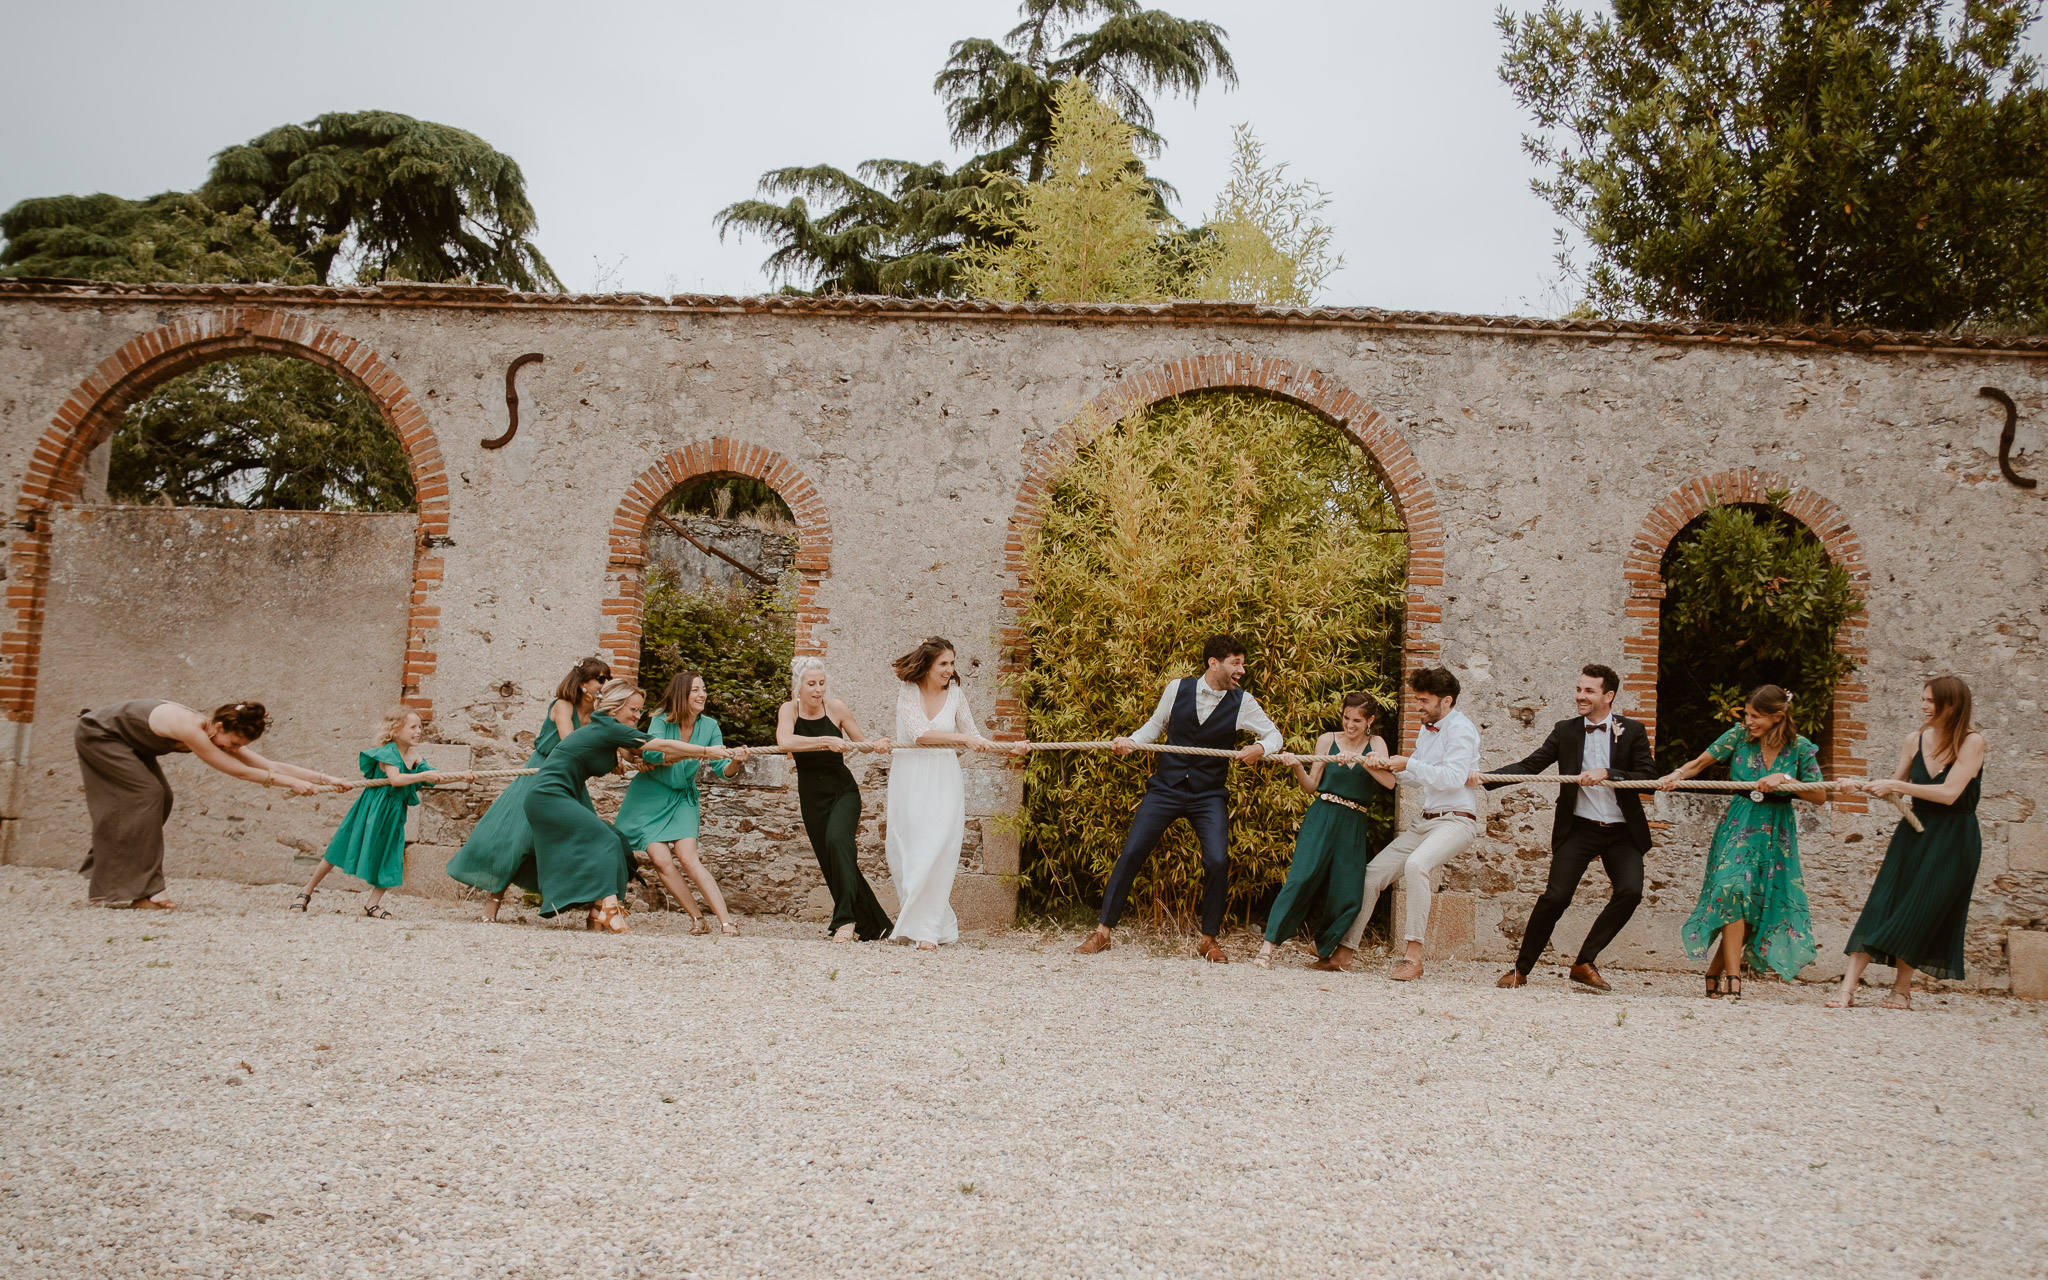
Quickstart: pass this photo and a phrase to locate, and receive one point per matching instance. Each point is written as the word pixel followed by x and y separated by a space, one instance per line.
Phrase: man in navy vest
pixel 1200 711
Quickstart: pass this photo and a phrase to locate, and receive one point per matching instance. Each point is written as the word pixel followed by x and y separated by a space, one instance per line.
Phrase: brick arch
pixel 1312 389
pixel 56 469
pixel 1644 570
pixel 720 456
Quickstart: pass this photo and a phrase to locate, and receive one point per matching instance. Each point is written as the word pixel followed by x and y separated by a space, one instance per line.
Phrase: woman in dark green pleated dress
pixel 580 859
pixel 1920 905
pixel 499 851
pixel 830 799
pixel 1334 844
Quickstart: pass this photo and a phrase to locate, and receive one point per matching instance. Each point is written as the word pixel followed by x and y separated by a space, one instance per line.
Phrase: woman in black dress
pixel 830 798
pixel 1919 906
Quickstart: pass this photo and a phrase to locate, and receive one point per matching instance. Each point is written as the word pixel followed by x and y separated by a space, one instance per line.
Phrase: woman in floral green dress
pixel 1752 903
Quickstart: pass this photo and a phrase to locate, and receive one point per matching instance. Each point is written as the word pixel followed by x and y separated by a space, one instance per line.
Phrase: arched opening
pixel 287 557
pixel 1318 520
pixel 678 604
pixel 721 600
pixel 1739 579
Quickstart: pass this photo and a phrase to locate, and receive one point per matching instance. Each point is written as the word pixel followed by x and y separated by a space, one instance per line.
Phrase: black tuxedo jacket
pixel 1631 761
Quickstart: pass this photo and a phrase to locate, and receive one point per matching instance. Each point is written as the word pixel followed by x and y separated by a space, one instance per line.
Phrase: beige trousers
pixel 1412 857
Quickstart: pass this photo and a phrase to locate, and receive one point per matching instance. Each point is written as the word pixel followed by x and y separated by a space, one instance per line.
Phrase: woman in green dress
pixel 499 851
pixel 581 860
pixel 370 843
pixel 1920 905
pixel 830 798
pixel 1753 901
pixel 1335 842
pixel 662 811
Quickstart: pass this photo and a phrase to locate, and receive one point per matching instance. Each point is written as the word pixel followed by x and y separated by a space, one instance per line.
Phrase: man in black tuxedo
pixel 1592 822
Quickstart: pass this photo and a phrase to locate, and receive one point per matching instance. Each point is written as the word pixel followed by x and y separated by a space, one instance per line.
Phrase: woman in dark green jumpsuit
pixel 582 860
pixel 830 799
pixel 499 851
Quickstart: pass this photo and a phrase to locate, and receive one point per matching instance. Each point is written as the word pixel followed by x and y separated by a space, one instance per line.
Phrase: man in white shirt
pixel 1591 823
pixel 1201 711
pixel 1446 752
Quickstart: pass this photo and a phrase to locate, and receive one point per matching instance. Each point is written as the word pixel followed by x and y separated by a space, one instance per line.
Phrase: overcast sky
pixel 636 122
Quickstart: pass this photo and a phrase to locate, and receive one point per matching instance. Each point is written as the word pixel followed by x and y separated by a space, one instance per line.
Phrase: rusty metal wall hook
pixel 2005 438
pixel 512 399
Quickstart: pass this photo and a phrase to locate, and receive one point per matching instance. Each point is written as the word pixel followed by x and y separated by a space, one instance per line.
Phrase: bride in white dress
pixel 927 802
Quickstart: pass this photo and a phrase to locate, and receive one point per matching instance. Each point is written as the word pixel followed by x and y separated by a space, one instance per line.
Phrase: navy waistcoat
pixel 1198 773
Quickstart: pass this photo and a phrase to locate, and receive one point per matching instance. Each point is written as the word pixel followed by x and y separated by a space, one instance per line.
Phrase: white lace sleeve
pixel 963 717
pixel 910 722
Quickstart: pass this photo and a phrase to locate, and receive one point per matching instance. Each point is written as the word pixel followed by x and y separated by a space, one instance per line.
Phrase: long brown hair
pixel 1773 701
pixel 1951 718
pixel 675 702
pixel 914 666
pixel 571 688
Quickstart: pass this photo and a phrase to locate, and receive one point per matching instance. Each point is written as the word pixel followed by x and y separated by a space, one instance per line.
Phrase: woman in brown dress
pixel 129 800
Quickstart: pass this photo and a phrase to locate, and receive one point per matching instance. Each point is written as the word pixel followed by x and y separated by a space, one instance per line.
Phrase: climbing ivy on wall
pixel 1750 598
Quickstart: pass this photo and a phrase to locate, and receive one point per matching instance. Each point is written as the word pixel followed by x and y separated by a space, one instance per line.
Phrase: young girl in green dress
pixel 1753 901
pixel 1334 843
pixel 662 810
pixel 499 851
pixel 370 843
pixel 1920 905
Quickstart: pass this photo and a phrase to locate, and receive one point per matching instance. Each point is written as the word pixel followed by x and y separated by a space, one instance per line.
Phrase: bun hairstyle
pixel 571 688
pixel 394 720
pixel 1951 718
pixel 914 666
pixel 798 669
pixel 246 720
pixel 615 694
pixel 1773 701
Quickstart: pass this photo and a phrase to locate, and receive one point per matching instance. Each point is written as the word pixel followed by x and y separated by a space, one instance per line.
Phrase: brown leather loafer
pixel 1328 964
pixel 1513 978
pixel 1587 976
pixel 1211 950
pixel 1095 942
pixel 1407 971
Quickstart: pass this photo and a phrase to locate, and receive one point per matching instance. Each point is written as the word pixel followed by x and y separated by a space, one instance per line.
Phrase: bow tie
pixel 1432 728
pixel 1597 728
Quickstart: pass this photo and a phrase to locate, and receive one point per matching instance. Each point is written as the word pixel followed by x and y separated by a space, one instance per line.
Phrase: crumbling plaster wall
pixel 1545 453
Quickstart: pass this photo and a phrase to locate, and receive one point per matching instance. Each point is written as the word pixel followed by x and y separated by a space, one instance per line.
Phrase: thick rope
pixel 1900 803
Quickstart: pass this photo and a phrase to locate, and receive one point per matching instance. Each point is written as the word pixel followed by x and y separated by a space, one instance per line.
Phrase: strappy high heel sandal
pixel 376 911
pixel 300 903
pixel 1717 986
pixel 1733 986
pixel 608 920
pixel 727 929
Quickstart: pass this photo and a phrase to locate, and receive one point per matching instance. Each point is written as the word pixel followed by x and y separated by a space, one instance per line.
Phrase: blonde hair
pixel 798 669
pixel 394 720
pixel 615 694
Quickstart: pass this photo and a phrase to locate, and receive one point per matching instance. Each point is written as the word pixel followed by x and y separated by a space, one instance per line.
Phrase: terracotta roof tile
pixel 497 297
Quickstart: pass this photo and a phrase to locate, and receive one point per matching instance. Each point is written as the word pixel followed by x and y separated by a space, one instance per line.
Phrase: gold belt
pixel 1348 804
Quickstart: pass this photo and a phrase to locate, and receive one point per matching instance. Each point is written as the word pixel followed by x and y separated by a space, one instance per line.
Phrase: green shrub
pixel 1215 512
pixel 1749 598
pixel 741 641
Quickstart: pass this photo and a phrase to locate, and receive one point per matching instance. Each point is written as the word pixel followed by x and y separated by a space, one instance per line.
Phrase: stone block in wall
pixel 1449 936
pixel 984 902
pixel 426 873
pixel 2026 953
pixel 2026 846
pixel 1000 850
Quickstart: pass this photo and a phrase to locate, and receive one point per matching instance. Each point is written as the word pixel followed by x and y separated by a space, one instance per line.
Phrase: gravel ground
pixel 231 1090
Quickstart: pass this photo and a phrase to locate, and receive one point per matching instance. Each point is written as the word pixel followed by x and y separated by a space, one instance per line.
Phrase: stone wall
pixel 304 611
pixel 1539 467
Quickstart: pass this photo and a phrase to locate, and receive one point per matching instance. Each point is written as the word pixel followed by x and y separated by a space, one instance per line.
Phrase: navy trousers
pixel 1208 813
